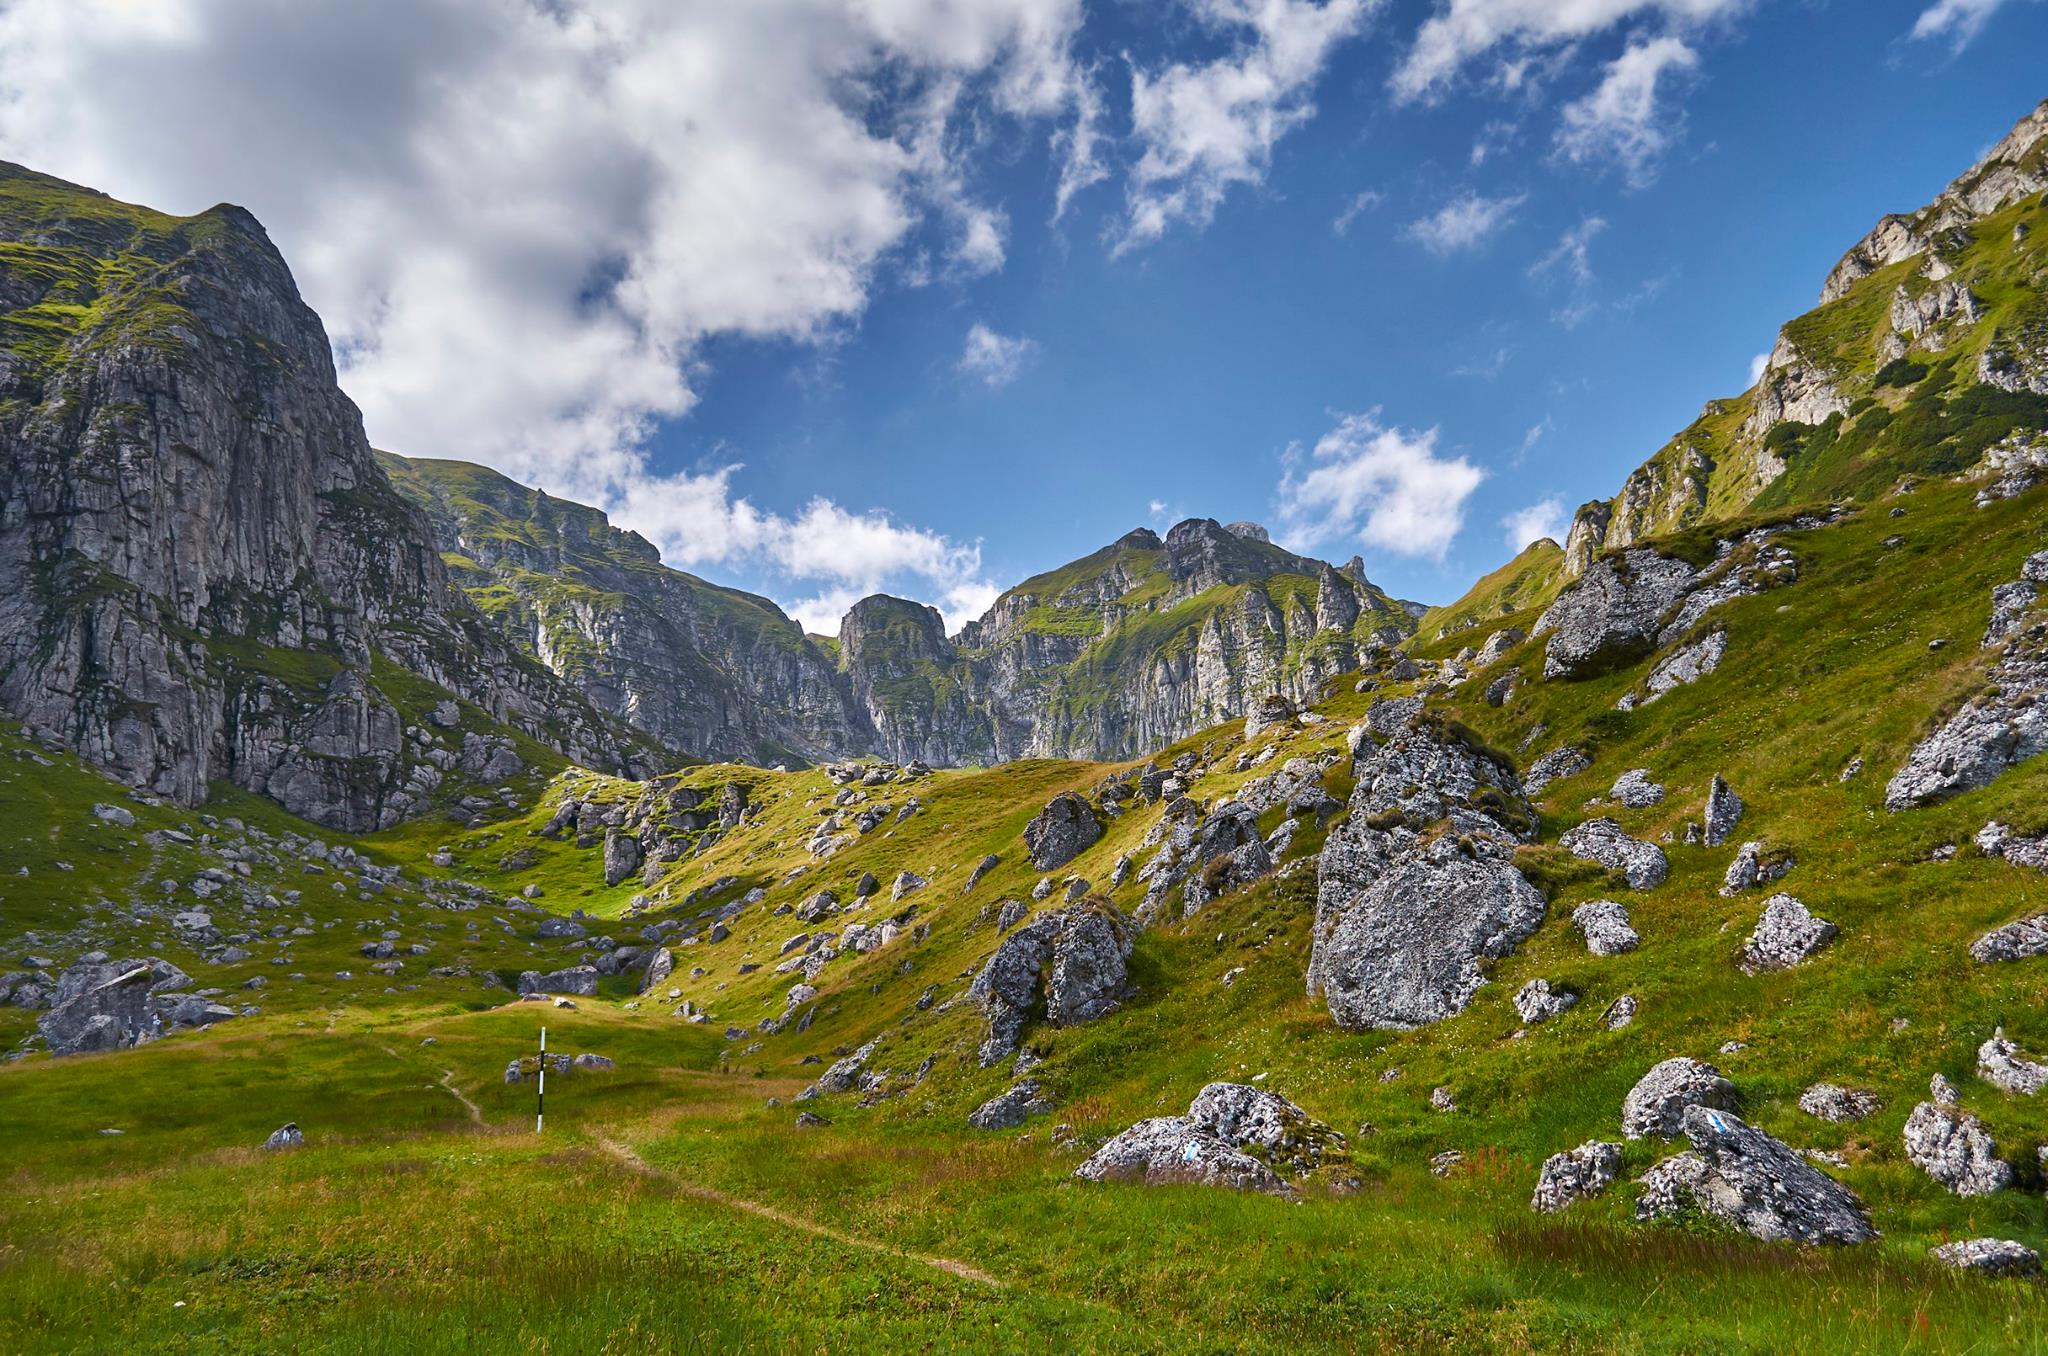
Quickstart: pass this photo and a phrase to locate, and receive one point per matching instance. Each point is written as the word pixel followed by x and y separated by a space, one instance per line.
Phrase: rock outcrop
pixel 1953 1147
pixel 1575 1174
pixel 1641 864
pixel 1738 1173
pixel 1417 889
pixel 1069 965
pixel 1787 934
pixel 105 1004
pixel 1656 1105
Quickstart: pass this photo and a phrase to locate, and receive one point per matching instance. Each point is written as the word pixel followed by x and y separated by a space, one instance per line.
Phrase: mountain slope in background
pixel 203 572
pixel 1930 345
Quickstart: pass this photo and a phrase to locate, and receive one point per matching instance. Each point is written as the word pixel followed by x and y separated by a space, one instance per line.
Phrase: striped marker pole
pixel 540 1103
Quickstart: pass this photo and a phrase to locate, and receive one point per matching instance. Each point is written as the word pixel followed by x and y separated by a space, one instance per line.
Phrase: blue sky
pixel 794 292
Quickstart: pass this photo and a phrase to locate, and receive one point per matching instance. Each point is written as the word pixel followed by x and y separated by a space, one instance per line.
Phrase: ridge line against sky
pixel 828 297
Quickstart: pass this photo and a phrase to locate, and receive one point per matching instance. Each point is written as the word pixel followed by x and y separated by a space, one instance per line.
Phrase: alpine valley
pixel 1201 950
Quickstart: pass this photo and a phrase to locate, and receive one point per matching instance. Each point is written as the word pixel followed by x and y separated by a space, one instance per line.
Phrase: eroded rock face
pixel 1602 840
pixel 1173 1150
pixel 1575 1175
pixel 1656 1105
pixel 1418 888
pixel 580 980
pixel 2005 724
pixel 1555 766
pixel 1062 831
pixel 1612 614
pixel 1086 948
pixel 1755 1182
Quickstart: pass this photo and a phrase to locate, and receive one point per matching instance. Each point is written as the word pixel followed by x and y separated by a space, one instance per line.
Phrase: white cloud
pixel 1461 30
pixel 1544 518
pixel 1357 207
pixel 520 221
pixel 1487 368
pixel 1383 487
pixel 1465 222
pixel 993 359
pixel 1621 120
pixel 1573 252
pixel 1957 20
pixel 1758 366
pixel 1494 136
pixel 1204 128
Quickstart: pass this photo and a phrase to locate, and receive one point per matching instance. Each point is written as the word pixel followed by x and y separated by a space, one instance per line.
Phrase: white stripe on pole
pixel 540 1102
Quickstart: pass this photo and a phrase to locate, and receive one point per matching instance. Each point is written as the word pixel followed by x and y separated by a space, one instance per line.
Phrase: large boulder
pixel 1575 1174
pixel 103 1004
pixel 1612 613
pixel 1062 831
pixel 621 856
pixel 1173 1150
pixel 1269 711
pixel 575 979
pixel 1086 947
pixel 1605 925
pixel 1953 1147
pixel 1418 888
pixel 1989 1257
pixel 1602 840
pixel 1738 1173
pixel 1266 1124
pixel 2015 941
pixel 661 963
pixel 1657 1104
pixel 1787 934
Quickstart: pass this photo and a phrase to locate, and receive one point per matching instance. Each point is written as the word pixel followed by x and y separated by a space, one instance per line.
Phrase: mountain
pixel 711 671
pixel 1930 344
pixel 204 574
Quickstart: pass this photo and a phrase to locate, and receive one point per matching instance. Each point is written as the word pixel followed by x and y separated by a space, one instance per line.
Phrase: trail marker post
pixel 540 1101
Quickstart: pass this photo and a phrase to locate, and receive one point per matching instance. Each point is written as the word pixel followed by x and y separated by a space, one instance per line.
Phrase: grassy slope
pixel 252 1243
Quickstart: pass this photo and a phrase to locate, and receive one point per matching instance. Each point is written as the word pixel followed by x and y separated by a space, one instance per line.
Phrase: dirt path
pixel 476 1113
pixel 625 1155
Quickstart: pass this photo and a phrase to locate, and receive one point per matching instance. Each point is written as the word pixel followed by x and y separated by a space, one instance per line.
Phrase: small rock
pixel 1605 926
pixel 1990 1256
pixel 1787 934
pixel 1575 1174
pixel 286 1136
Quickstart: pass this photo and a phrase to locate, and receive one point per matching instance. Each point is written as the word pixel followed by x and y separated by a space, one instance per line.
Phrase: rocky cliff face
pixel 200 562
pixel 722 674
pixel 1958 282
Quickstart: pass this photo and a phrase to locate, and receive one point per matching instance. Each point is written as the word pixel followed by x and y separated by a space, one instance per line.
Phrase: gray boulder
pixel 981 868
pixel 1657 1104
pixel 1575 1174
pixel 1009 1109
pixel 1603 841
pixel 2000 1063
pixel 1753 866
pixel 907 882
pixel 2023 940
pixel 562 928
pixel 1829 1102
pixel 1636 790
pixel 1062 831
pixel 1724 811
pixel 102 1004
pixel 1953 1147
pixel 1267 712
pixel 1605 926
pixel 286 1136
pixel 1755 1182
pixel 1989 1256
pixel 621 856
pixel 661 963
pixel 1537 1002
pixel 580 980
pixel 1612 613
pixel 845 1074
pixel 1266 1124
pixel 1087 948
pixel 1787 934
pixel 1173 1150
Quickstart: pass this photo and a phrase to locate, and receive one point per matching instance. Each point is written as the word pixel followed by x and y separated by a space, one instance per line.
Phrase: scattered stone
pixel 1086 945
pixel 1537 1002
pixel 1603 841
pixel 1575 1175
pixel 2000 1063
pixel 2015 941
pixel 1265 1123
pixel 1787 934
pixel 116 815
pixel 1605 925
pixel 1010 1109
pixel 1270 710
pixel 1829 1102
pixel 981 868
pixel 1635 790
pixel 1752 867
pixel 907 882
pixel 286 1136
pixel 1555 766
pixel 1441 1099
pixel 1173 1150
pixel 1990 1256
pixel 1953 1147
pixel 576 979
pixel 1656 1105
pixel 808 1119
pixel 1620 1012
pixel 1724 810
pixel 1445 1163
